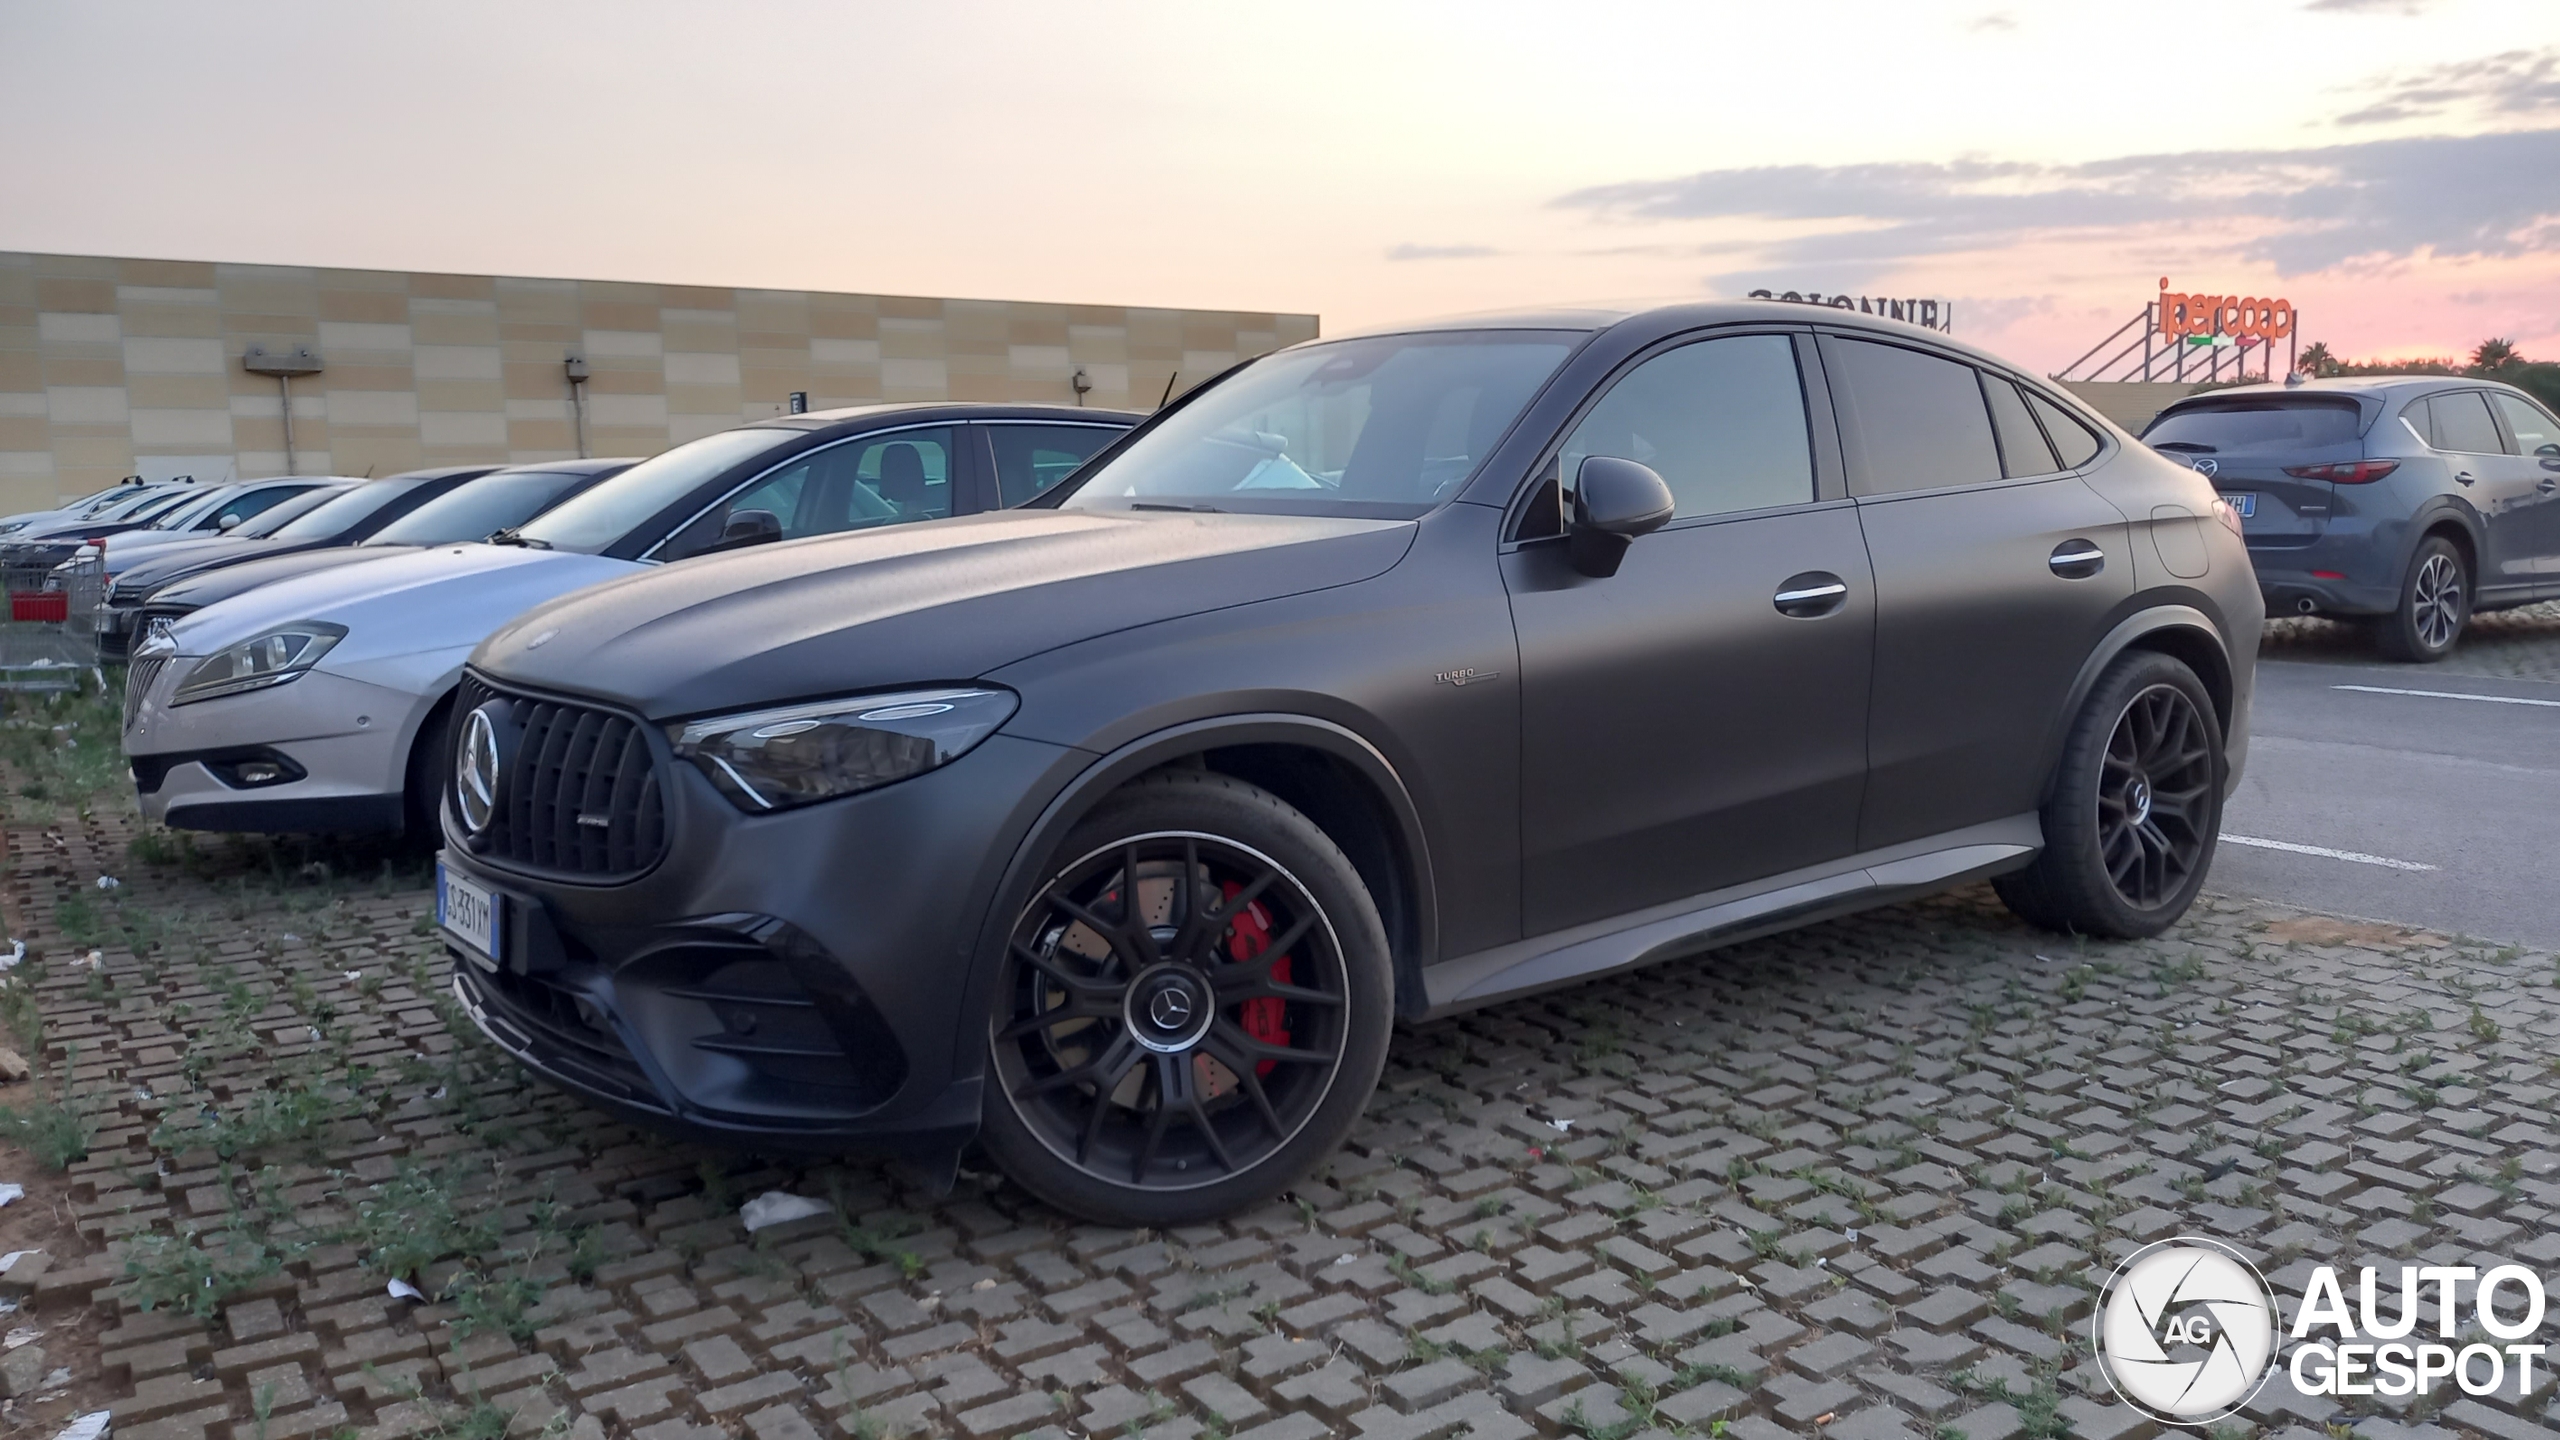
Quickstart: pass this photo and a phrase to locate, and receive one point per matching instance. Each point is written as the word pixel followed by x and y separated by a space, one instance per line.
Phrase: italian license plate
pixel 469 913
pixel 2243 502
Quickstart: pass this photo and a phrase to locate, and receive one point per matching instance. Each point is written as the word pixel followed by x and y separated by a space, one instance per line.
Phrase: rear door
pixel 2502 487
pixel 1026 459
pixel 1996 572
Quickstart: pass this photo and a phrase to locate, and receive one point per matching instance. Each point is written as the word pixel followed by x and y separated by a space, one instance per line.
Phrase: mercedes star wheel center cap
pixel 2137 799
pixel 1168 1009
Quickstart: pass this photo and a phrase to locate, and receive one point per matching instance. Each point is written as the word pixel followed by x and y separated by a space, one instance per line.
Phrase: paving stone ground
pixel 2520 644
pixel 1858 1180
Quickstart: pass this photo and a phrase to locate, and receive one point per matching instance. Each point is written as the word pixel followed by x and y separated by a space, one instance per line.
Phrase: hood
pixel 447 598
pixel 205 587
pixel 945 601
pixel 176 562
pixel 164 547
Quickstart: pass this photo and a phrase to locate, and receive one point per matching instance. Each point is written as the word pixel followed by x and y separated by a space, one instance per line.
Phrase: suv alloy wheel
pixel 2136 807
pixel 1191 1011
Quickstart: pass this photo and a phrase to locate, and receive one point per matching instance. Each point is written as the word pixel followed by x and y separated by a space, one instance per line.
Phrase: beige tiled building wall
pixel 113 367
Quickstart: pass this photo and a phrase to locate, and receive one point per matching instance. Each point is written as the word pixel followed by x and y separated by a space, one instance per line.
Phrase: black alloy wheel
pixel 2152 786
pixel 2135 810
pixel 1178 1020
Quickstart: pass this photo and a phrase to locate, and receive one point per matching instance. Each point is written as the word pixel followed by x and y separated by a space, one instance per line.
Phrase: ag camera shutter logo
pixel 2185 1330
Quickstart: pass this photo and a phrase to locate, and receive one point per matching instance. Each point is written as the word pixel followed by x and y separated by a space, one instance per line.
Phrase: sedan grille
pixel 578 789
pixel 137 684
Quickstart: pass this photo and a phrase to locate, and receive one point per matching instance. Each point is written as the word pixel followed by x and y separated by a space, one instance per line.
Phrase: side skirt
pixel 1736 913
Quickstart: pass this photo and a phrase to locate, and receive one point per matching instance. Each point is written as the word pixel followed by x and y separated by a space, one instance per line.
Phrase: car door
pixel 1995 578
pixel 862 482
pixel 1025 458
pixel 2533 438
pixel 2502 487
pixel 1696 720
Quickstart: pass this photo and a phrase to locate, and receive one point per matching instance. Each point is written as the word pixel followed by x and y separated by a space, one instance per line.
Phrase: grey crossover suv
pixel 2414 502
pixel 1380 678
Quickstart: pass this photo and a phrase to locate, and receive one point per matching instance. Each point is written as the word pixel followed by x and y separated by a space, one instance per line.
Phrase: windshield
pixel 344 511
pixel 479 509
pixel 143 507
pixel 1389 426
pixel 284 512
pixel 593 519
pixel 2237 427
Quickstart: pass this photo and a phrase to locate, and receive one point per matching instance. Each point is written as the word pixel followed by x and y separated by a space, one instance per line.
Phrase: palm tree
pixel 2315 360
pixel 2495 355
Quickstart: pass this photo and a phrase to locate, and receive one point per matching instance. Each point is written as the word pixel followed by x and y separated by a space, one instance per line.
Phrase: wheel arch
pixel 2181 632
pixel 1330 773
pixel 2457 524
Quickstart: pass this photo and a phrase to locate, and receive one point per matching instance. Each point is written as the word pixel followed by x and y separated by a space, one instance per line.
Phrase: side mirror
pixel 227 523
pixel 748 527
pixel 2547 452
pixel 1614 501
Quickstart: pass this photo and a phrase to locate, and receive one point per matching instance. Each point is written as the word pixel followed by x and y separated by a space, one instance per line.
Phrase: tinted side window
pixel 2023 450
pixel 1920 419
pixel 254 502
pixel 2535 432
pixel 1031 458
pixel 2462 423
pixel 2076 444
pixel 858 485
pixel 1722 421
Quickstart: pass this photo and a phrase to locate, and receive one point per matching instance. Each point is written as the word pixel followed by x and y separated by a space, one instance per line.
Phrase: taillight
pixel 2345 472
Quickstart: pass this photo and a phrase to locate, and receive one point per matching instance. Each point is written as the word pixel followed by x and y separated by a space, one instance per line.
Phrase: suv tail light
pixel 2345 472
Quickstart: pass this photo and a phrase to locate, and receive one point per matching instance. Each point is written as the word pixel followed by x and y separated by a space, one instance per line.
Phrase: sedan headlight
pixel 279 655
pixel 798 754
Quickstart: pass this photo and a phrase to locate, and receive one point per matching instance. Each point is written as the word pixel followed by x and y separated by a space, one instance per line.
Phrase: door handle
pixel 2077 560
pixel 2464 477
pixel 1811 595
pixel 2546 485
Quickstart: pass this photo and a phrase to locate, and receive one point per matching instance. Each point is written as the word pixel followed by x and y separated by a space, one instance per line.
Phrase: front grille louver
pixel 578 790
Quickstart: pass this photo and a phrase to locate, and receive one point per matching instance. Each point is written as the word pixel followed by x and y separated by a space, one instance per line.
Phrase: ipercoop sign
pixel 2242 319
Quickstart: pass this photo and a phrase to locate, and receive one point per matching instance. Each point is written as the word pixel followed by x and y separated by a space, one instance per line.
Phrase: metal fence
pixel 49 634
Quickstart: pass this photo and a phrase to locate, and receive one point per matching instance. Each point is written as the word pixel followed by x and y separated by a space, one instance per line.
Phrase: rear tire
pixel 2136 807
pixel 2435 603
pixel 1163 1054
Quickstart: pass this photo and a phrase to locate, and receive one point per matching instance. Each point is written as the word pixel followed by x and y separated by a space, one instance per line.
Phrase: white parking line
pixel 2323 851
pixel 2448 695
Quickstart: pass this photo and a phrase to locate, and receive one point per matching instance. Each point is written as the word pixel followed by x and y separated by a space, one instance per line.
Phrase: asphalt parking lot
pixel 2428 795
pixel 1858 1181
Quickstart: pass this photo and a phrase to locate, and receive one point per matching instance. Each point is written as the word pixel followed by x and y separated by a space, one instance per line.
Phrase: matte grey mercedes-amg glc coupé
pixel 1380 678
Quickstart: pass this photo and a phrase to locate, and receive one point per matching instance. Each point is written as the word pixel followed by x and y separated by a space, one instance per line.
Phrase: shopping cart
pixel 50 633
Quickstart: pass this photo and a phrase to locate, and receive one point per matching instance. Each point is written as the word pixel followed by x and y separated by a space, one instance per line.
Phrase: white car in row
pixel 318 703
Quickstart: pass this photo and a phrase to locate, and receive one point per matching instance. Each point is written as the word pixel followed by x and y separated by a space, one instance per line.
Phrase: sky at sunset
pixel 2391 166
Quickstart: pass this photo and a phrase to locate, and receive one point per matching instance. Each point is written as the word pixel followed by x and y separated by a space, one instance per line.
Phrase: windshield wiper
pixel 2189 446
pixel 513 535
pixel 1192 509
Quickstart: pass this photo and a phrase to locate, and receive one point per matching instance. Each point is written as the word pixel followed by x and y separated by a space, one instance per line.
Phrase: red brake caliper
pixel 1265 1019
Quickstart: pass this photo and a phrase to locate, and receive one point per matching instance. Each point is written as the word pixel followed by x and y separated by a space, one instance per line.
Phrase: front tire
pixel 2435 603
pixel 1191 1011
pixel 2136 807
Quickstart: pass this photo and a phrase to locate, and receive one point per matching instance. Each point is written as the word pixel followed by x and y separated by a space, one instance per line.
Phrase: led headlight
pixel 794 755
pixel 279 655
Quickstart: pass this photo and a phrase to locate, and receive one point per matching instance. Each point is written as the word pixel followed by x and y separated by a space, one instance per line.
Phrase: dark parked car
pixel 1383 677
pixel 348 518
pixel 2413 502
pixel 475 510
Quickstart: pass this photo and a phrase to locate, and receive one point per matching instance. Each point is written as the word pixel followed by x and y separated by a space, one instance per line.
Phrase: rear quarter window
pixel 2238 427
